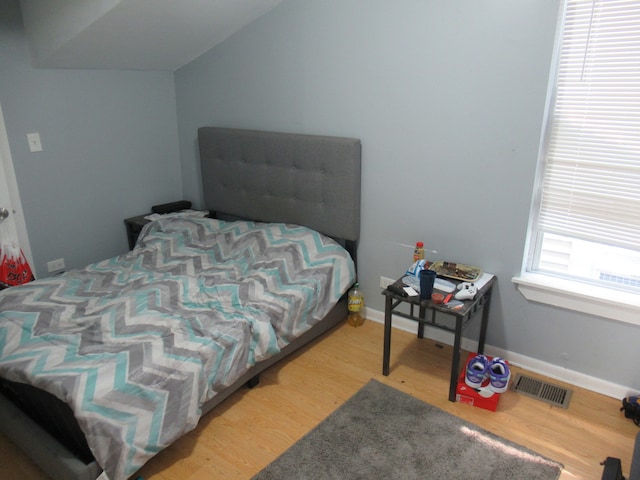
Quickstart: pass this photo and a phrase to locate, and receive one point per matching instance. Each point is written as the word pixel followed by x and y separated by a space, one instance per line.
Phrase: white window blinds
pixel 590 188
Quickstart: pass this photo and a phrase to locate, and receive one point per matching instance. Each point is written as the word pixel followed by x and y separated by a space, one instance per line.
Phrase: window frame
pixel 553 288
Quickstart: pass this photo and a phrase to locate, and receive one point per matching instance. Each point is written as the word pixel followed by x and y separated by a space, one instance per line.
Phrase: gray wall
pixel 448 99
pixel 110 149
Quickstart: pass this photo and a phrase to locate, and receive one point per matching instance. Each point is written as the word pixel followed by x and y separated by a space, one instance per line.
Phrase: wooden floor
pixel 253 427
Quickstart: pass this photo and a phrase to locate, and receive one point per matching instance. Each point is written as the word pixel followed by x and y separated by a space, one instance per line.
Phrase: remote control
pixel 466 291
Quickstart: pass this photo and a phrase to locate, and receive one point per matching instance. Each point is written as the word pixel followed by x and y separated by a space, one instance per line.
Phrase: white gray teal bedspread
pixel 137 343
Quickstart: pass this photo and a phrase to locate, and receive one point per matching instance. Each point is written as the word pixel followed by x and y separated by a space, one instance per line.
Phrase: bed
pixel 296 195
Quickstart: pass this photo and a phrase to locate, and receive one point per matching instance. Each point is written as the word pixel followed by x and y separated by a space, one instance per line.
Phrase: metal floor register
pixel 547 392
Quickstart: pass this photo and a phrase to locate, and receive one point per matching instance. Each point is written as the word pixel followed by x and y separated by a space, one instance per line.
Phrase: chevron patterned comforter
pixel 137 343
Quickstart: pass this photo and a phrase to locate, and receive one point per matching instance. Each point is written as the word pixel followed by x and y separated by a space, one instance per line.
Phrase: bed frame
pixel 264 176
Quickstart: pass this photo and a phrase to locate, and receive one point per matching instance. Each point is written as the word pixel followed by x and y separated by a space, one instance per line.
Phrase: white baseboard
pixel 531 364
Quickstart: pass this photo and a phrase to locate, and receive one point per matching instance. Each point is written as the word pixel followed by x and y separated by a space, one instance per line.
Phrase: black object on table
pixel 463 316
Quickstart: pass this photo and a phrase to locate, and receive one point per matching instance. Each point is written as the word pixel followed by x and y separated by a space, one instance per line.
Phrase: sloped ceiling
pixel 132 34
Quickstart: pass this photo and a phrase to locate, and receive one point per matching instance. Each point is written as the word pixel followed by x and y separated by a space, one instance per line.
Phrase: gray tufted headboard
pixel 307 180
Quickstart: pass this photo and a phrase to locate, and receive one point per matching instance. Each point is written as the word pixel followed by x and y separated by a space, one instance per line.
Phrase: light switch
pixel 34 142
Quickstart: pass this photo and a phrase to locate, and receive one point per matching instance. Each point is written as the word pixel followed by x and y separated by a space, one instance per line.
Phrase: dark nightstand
pixel 134 226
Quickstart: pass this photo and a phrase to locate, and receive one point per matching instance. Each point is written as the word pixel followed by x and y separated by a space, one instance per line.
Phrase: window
pixel 585 223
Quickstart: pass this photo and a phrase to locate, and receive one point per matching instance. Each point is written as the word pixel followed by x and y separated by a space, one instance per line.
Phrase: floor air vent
pixel 547 392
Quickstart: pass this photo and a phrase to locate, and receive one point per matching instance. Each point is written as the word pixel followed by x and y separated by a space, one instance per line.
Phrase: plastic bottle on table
pixel 356 306
pixel 418 253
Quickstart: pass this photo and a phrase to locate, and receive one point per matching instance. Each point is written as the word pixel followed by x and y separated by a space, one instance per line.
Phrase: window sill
pixel 579 297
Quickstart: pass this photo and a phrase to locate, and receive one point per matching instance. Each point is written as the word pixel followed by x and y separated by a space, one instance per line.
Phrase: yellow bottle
pixel 356 306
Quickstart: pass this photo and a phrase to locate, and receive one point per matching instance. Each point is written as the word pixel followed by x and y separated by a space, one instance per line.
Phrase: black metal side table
pixel 463 316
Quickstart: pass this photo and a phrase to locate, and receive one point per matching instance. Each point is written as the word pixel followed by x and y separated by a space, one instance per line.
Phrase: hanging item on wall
pixel 14 267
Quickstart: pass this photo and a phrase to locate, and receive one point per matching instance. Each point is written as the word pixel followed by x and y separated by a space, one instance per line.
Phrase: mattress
pixel 136 344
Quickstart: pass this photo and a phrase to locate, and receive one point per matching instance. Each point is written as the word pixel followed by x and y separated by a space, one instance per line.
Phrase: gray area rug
pixel 382 433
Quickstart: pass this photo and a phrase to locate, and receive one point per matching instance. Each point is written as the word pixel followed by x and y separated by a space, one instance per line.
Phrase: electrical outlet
pixel 35 145
pixel 55 265
pixel 385 282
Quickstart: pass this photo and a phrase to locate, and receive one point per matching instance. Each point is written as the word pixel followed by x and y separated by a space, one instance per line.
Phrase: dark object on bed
pixel 171 207
pixel 270 177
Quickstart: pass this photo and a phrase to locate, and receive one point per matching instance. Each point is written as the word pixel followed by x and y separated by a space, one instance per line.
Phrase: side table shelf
pixel 462 316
